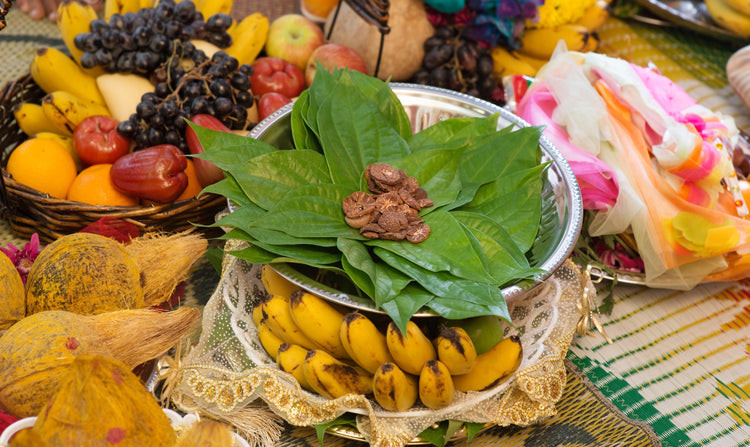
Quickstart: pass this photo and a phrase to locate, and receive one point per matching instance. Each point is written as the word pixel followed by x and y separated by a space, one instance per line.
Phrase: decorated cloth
pixel 229 369
pixel 666 157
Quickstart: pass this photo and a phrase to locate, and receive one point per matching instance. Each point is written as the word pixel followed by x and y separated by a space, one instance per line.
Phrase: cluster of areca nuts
pixel 391 210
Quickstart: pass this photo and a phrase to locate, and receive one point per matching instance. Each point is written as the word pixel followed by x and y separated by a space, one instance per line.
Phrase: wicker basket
pixel 29 211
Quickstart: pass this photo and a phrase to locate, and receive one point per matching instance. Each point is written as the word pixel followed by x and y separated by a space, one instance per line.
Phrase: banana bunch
pixel 74 18
pixel 248 38
pixel 733 15
pixel 333 353
pixel 71 95
pixel 574 22
pixel 112 7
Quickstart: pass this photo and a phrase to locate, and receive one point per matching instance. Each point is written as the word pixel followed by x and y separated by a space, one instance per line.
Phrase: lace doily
pixel 229 372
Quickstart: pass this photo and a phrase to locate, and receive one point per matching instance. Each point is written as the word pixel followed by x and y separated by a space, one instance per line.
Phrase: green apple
pixel 485 331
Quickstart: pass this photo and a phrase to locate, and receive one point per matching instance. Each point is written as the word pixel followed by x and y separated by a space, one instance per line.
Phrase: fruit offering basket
pixel 232 374
pixel 30 211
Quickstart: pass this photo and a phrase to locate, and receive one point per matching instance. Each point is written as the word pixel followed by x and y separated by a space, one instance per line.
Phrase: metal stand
pixel 373 11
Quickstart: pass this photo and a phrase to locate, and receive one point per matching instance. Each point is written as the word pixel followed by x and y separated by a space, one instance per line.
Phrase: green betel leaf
pixel 377 280
pixel 266 178
pixel 227 150
pixel 437 173
pixel 302 134
pixel 447 249
pixel 454 133
pixel 521 188
pixel 411 300
pixel 310 211
pixel 229 188
pixel 500 154
pixel 365 136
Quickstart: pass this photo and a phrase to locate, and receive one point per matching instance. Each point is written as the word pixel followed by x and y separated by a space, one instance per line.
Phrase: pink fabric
pixel 596 180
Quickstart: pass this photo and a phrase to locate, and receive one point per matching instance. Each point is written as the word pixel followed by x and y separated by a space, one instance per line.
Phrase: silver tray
pixel 689 14
pixel 428 105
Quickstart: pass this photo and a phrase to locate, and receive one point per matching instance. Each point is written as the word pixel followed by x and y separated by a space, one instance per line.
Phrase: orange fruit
pixel 43 164
pixel 94 186
pixel 193 186
pixel 319 8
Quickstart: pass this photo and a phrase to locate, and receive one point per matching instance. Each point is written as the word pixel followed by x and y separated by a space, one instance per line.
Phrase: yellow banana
pixel 270 341
pixel 67 110
pixel 436 388
pixel 211 7
pixel 364 343
pixel 319 321
pixel 66 142
pixel 289 358
pixel 410 351
pixel 541 42
pixel 455 349
pixel 123 6
pixel 595 15
pixel 393 389
pixel 257 314
pixel 275 284
pixel 279 320
pixel 508 63
pixel 74 18
pixel 53 70
pixel 741 6
pixel 492 366
pixel 729 18
pixel 32 120
pixel 248 38
pixel 122 92
pixel 333 378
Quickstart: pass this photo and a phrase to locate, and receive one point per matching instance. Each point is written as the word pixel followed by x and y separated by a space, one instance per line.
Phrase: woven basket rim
pixel 30 210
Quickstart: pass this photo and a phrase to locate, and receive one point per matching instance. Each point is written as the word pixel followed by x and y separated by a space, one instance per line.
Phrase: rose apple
pixel 207 172
pixel 156 173
pixel 333 55
pixel 273 74
pixel 271 102
pixel 96 140
pixel 293 37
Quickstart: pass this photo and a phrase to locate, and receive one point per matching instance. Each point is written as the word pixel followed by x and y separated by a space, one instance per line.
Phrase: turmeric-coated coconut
pixel 35 352
pixel 101 402
pixel 12 300
pixel 206 433
pixel 84 273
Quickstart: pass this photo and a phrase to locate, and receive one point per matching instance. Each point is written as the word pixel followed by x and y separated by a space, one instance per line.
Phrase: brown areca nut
pixel 417 233
pixel 388 201
pixel 392 221
pixel 358 204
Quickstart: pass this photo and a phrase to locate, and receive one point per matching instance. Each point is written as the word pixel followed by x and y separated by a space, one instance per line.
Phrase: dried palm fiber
pixel 206 433
pixel 35 351
pixel 164 261
pixel 12 292
pixel 100 401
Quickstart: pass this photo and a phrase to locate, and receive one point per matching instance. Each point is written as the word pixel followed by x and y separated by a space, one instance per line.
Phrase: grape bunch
pixel 189 83
pixel 457 63
pixel 139 42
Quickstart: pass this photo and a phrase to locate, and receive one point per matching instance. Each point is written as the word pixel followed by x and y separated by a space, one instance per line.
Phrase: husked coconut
pixel 403 48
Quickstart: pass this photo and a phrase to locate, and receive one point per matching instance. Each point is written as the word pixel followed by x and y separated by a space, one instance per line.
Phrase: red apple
pixel 271 102
pixel 332 55
pixel 293 37
pixel 273 74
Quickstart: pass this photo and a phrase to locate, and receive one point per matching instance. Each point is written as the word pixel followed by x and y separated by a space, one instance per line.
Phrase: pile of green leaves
pixel 485 184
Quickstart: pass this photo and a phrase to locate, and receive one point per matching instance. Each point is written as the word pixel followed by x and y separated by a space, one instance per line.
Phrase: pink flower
pixel 24 258
pixel 618 258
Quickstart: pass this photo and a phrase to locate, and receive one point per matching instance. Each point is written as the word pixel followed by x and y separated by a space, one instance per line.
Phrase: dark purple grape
pixel 437 56
pixel 466 58
pixel 88 60
pixel 244 98
pixel 220 87
pixel 98 26
pixel 219 22
pixel 439 76
pixel 485 65
pixel 432 42
pixel 240 81
pixel 127 128
pixel 223 106
pixel 110 39
pixel 145 109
